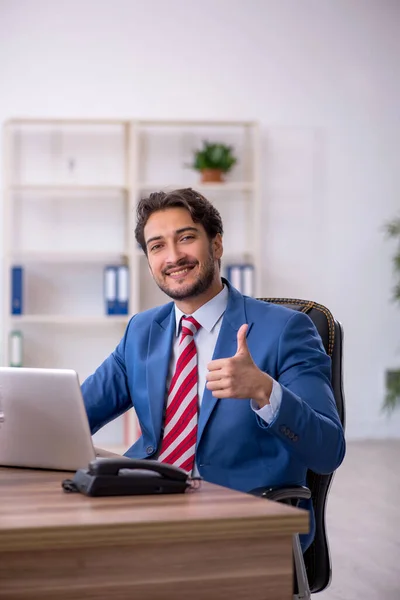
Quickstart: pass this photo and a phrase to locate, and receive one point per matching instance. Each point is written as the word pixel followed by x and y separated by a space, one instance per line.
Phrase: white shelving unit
pixel 70 193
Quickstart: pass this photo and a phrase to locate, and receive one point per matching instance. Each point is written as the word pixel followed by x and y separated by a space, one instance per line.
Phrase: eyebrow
pixel 156 238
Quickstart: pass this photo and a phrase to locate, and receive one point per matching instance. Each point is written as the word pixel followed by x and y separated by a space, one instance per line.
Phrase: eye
pixel 187 237
pixel 155 247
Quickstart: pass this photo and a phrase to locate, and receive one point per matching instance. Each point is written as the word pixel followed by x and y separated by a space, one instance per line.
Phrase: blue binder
pixel 234 276
pixel 17 290
pixel 122 290
pixel 241 276
pixel 248 283
pixel 110 289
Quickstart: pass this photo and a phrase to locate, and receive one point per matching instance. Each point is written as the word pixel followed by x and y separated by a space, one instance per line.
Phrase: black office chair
pixel 313 570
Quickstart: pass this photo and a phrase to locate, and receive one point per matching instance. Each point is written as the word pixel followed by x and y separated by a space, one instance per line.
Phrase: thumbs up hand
pixel 238 376
pixel 242 348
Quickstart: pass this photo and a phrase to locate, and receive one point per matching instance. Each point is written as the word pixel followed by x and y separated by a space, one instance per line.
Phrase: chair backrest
pixel 317 557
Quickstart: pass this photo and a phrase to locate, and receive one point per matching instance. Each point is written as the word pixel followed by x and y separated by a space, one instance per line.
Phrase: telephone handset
pixel 127 476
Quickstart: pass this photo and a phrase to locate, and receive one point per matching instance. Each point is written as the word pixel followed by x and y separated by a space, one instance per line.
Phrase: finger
pixel 222 393
pixel 216 375
pixel 241 339
pixel 220 385
pixel 220 363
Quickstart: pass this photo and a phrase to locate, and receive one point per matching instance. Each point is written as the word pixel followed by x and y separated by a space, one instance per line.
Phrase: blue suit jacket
pixel 235 448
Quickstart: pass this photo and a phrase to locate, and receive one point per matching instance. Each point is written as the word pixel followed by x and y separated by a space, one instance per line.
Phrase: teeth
pixel 179 272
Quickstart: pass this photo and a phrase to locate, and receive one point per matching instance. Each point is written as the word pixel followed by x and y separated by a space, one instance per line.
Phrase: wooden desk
pixel 210 543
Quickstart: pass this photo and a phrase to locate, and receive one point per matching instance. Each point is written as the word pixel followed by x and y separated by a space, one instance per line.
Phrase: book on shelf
pixel 15 348
pixel 122 307
pixel 17 275
pixel 116 289
pixel 110 289
pixel 241 276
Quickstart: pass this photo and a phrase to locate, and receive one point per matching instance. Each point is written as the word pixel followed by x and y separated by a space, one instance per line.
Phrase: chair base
pixel 300 573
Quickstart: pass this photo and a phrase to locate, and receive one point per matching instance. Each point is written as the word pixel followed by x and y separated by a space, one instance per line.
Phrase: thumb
pixel 241 340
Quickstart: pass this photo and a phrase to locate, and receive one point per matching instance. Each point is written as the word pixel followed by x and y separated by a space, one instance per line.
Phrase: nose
pixel 174 254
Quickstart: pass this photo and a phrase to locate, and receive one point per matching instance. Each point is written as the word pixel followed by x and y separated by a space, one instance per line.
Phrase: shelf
pixel 72 121
pixel 193 123
pixel 48 188
pixel 68 257
pixel 69 320
pixel 230 186
pixel 139 122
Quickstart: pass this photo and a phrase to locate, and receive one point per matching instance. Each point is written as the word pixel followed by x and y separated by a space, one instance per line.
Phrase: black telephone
pixel 127 476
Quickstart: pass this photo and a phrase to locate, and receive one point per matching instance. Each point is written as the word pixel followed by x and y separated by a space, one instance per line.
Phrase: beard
pixel 190 290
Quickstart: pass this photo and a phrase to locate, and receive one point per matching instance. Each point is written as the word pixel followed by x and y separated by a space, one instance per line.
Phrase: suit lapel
pixel 158 356
pixel 226 346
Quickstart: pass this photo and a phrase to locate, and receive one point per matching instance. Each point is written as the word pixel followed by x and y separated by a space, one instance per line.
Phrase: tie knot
pixel 189 326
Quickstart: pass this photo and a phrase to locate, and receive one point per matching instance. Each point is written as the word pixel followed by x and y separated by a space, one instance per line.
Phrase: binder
pixel 110 289
pixel 234 275
pixel 122 307
pixel 248 280
pixel 16 290
pixel 15 348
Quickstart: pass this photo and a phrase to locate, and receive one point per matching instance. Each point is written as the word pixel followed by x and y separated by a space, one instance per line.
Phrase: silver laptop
pixel 43 421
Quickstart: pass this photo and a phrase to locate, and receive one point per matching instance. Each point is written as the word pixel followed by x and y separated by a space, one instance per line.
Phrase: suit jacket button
pixel 283 428
pixel 149 450
pixel 295 438
pixel 291 435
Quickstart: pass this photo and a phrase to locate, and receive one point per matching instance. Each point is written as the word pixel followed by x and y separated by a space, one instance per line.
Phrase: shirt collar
pixel 208 314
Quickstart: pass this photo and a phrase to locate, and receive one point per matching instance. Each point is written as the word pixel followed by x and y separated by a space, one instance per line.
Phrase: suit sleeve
pixel 307 421
pixel 106 392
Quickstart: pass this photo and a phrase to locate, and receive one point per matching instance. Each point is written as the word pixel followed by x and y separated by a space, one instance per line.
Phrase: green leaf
pixel 214 156
pixel 392 229
pixel 392 398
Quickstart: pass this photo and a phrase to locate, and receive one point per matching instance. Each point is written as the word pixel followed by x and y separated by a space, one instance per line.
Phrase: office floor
pixel 364 524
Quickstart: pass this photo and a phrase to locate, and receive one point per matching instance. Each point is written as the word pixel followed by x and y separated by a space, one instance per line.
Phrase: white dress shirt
pixel 209 316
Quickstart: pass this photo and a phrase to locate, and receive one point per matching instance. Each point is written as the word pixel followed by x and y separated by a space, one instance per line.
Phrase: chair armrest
pixel 282 494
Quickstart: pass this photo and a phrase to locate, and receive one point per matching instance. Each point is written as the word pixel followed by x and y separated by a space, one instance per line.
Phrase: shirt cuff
pixel 268 412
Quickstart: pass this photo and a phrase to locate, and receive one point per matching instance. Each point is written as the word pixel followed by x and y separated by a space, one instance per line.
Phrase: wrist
pixel 263 390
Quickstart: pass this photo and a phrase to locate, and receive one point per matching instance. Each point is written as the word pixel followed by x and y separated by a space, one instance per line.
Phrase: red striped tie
pixel 180 429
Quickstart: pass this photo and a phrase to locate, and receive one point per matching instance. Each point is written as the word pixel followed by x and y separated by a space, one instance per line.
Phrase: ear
pixel 218 246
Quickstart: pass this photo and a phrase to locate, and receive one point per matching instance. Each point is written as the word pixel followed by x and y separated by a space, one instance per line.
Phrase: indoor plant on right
pixel 213 160
pixel 392 399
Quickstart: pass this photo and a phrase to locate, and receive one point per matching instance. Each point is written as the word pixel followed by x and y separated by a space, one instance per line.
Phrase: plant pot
pixel 211 176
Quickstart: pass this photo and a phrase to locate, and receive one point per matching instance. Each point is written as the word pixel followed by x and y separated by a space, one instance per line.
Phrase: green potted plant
pixel 392 399
pixel 213 160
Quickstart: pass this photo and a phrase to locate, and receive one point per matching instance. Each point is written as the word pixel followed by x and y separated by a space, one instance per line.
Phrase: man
pixel 225 386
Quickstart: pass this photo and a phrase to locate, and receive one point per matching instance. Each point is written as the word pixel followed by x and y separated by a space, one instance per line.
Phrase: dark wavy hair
pixel 201 210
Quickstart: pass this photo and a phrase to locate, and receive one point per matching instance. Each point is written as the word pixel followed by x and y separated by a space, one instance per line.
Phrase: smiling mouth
pixel 180 273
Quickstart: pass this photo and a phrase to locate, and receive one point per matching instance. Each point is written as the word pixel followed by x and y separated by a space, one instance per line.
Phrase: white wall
pixel 322 78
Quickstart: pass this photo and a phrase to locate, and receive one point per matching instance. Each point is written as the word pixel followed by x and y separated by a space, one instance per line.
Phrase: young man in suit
pixel 225 386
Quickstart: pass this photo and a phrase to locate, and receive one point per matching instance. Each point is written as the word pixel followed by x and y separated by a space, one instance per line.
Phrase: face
pixel 182 259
